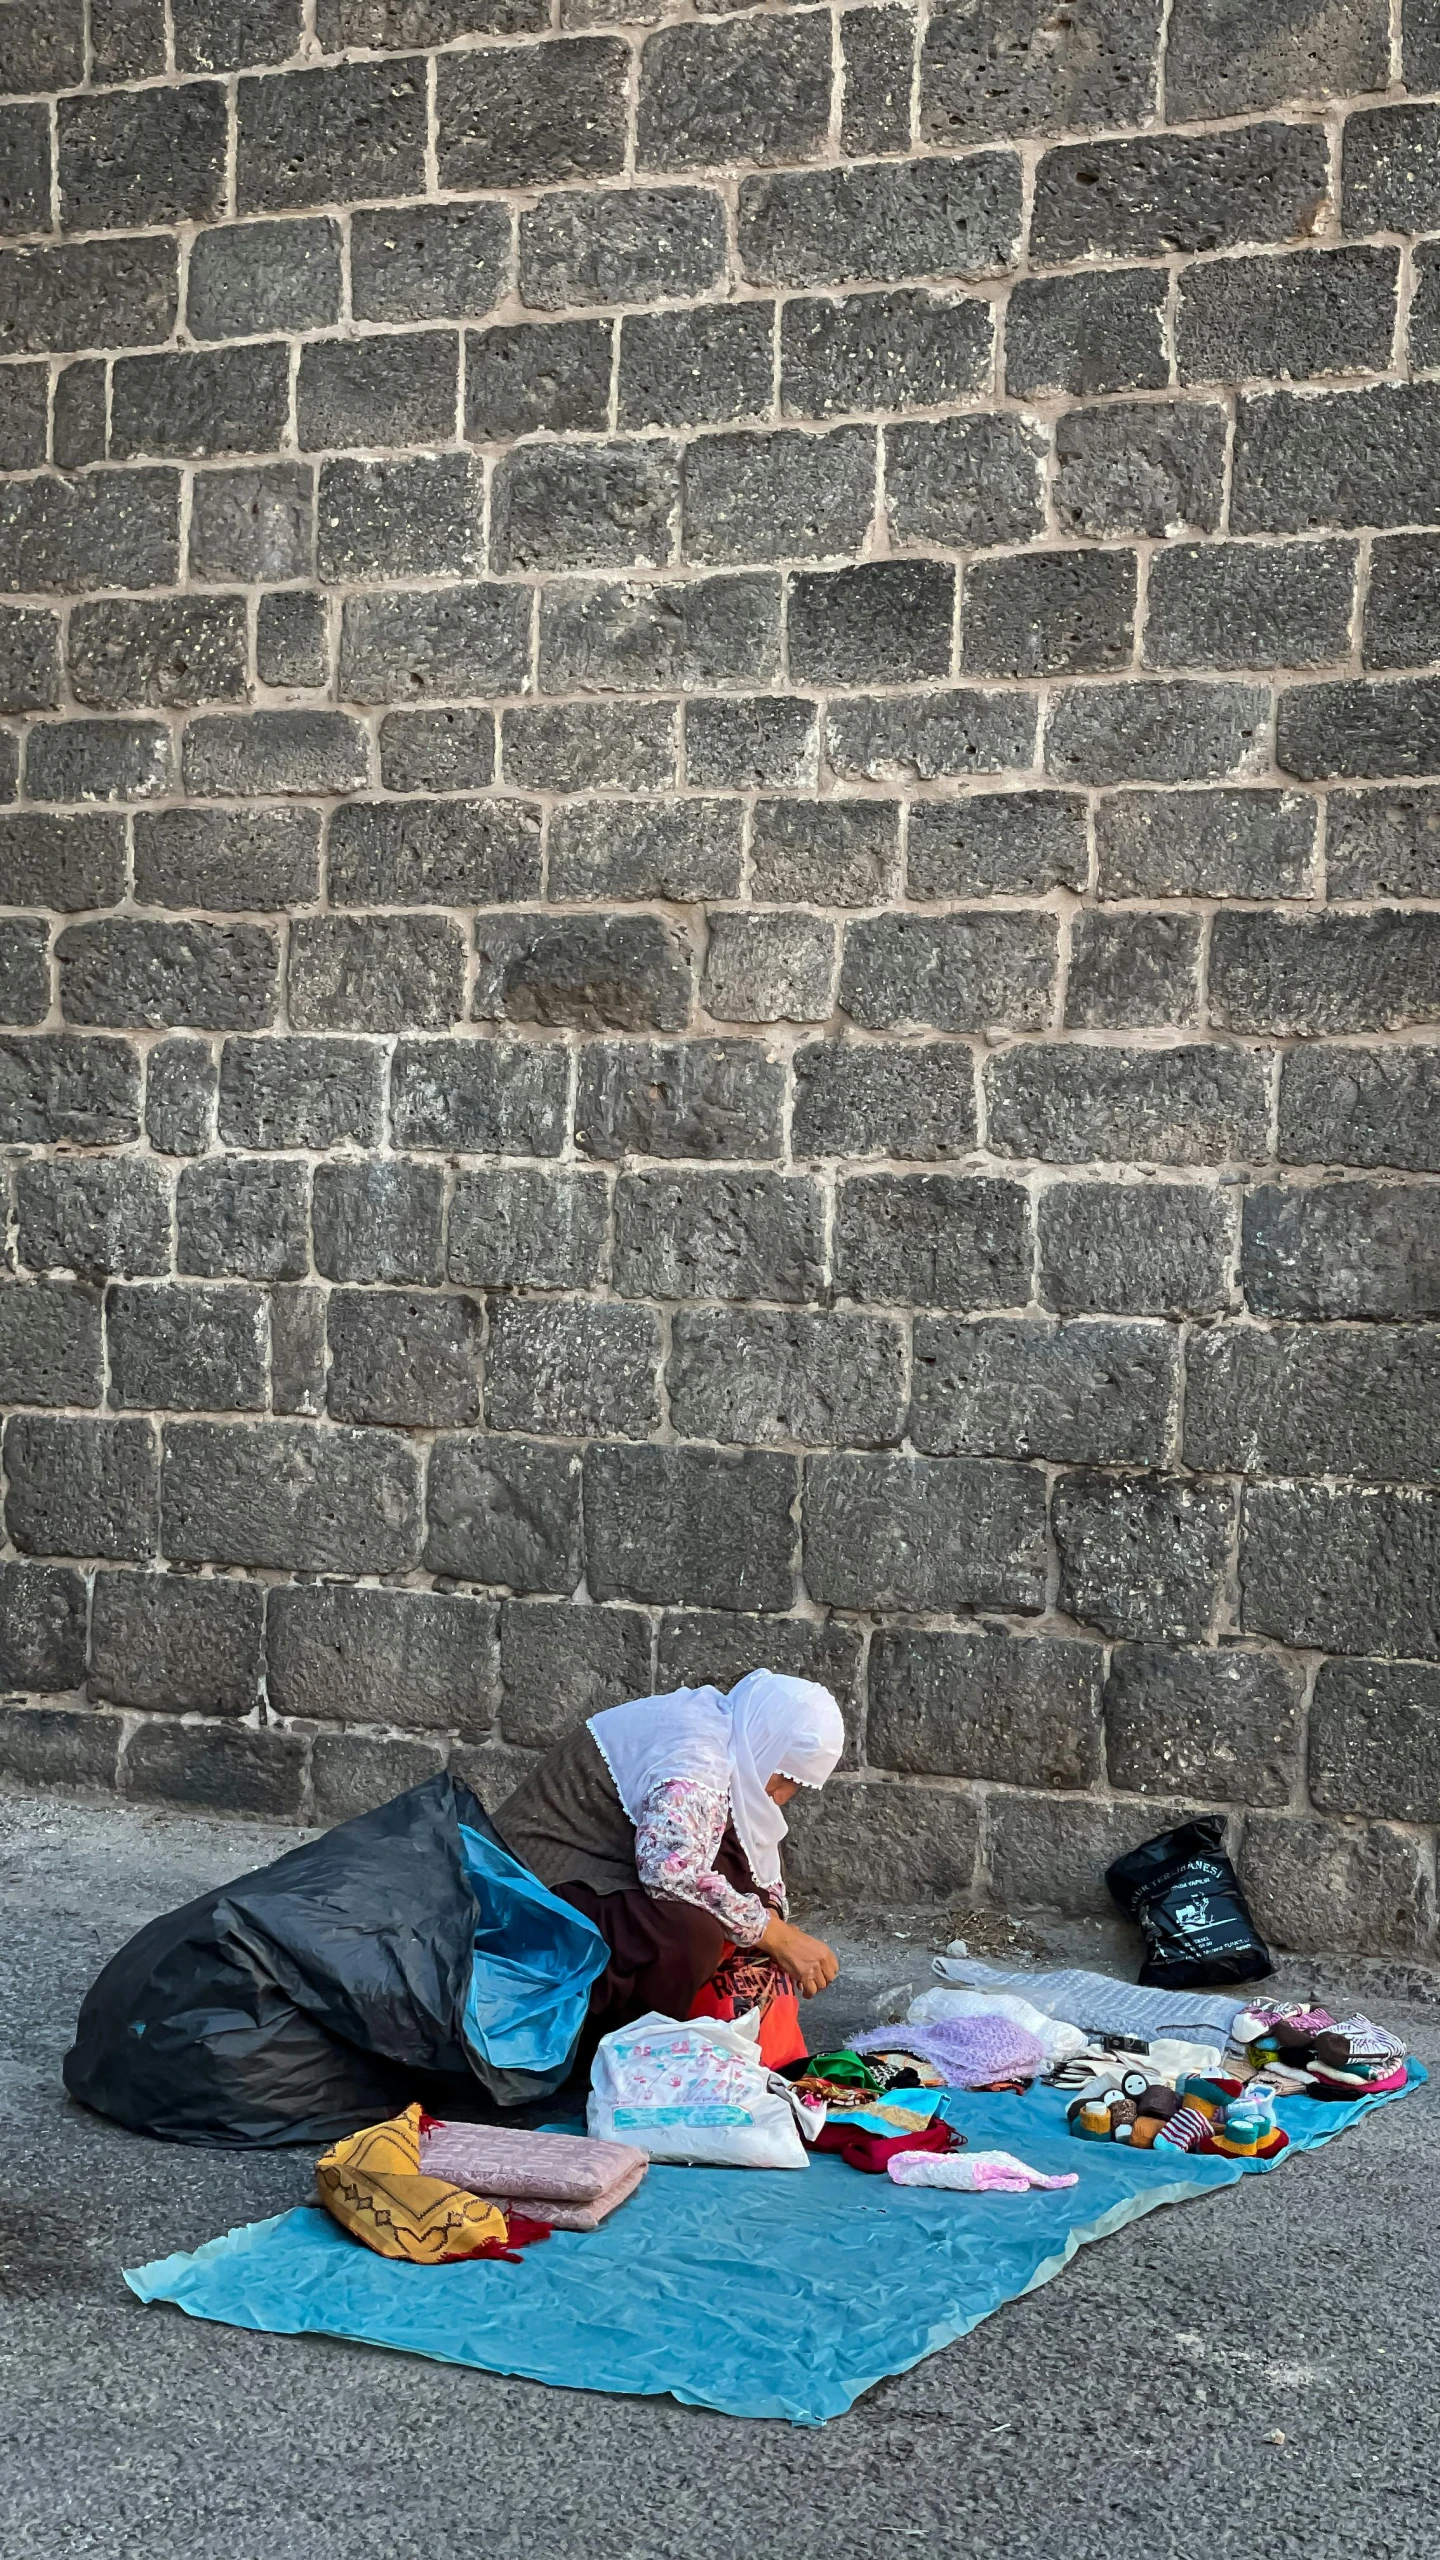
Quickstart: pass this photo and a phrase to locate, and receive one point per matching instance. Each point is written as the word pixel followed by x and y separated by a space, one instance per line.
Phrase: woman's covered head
pixel 788 1728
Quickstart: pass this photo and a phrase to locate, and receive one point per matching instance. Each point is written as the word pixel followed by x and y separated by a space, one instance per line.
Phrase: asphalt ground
pixel 1255 2375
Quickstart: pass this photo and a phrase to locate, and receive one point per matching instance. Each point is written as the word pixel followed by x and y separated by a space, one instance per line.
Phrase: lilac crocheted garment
pixel 970 2051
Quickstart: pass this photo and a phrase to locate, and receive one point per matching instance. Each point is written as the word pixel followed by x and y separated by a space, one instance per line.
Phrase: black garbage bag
pixel 317 1995
pixel 1184 1894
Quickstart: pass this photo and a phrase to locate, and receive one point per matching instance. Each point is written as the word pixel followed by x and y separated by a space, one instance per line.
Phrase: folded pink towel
pixel 564 2179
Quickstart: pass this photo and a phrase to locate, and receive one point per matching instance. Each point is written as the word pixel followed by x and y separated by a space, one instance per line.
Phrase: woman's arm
pixel 677 1837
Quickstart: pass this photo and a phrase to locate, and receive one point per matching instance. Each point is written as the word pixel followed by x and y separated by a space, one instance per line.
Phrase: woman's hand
pixel 811 1965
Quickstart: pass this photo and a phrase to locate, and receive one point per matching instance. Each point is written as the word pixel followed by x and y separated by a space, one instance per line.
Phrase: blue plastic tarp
pixel 761 2293
pixel 535 1959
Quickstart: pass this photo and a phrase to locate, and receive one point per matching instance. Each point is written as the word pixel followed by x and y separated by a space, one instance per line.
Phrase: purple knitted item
pixel 970 2051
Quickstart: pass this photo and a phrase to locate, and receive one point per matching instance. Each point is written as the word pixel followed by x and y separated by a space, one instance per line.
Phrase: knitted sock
pixel 1189 2131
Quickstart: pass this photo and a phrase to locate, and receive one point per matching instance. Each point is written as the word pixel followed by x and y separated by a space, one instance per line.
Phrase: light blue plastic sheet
pixel 525 2010
pixel 766 2294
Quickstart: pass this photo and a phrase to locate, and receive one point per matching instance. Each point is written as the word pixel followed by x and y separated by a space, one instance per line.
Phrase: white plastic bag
pixel 696 2091
pixel 1059 2039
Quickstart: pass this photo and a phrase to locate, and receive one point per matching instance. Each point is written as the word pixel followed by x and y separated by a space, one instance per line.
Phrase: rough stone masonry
pixel 720 913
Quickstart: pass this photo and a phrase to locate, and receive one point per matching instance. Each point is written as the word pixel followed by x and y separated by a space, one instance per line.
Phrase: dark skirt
pixel 672 1956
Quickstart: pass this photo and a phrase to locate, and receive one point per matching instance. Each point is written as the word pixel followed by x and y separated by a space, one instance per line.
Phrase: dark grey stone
pixel 379 1221
pixel 223 400
pixel 42 1628
pixel 980 1705
pixel 418 1658
pixel 1145 469
pixel 254 524
pixel 450 750
pixel 1359 729
pixel 1049 613
pixel 444 853
pixel 1166 732
pixel 1008 844
pixel 759 742
pixel 354 1773
pixel 989 70
pixel 1239 604
pixel 393 389
pixel 688 850
pixel 98 760
pixel 929 737
pixel 778 496
pixel 1351 1569
pixel 92 1215
pixel 24 970
pixel 119 528
pixel 933 1240
pixel 842 226
pixel 1143 195
pixel 29 663
pixel 259 277
pixel 403 645
pixel 638 244
pixel 142 975
pixel 696 368
pixel 561 1665
pixel 81 1488
pixel 127 39
pixel 216 1768
pixel 66 862
pixel 297 1350
pixel 1223 1727
pixel 315 137
pixel 1325 973
pixel 515 1227
pixel 829 853
pixel 760 1378
pixel 173 1642
pixel 531 115
pixel 50 1347
pixel 225 35
pixel 56 1089
pixel 419 517
pixel 1387 171
pixel 286 1494
pixel 591 746
pixel 402 25
pixel 1342 1250
pixel 1135 1249
pixel 573 1368
pixel 504 1512
pixel 43 46
pixel 1088 1394
pixel 25 413
pixel 937 1534
pixel 1085 334
pixel 775 967
pixel 1143 1557
pixel 1315 1401
pixel 401 1356
pixel 693 1526
pixel 696 1645
pixel 1129 970
pixel 187 1349
pixel 1207 844
pixel 234 756
pixel 573 506
pixel 376 973
pixel 1349 458
pixel 479 1097
pixel 1192 1104
pixel 1402 602
pixel 241 1218
pixel 1224 57
pixel 756 89
pixel 1292 318
pixel 915 1844
pixel 883 1098
pixel 429 261
pixel 132 157
pixel 300 1093
pixel 79 430
pixel 959 972
pixel 88 293
pixel 629 636
pixel 718 1235
pixel 877 47
pixel 1362 1107
pixel 912 350
pixel 888 621
pixel 181 1084
pixel 1375 1740
pixel 966 482
pixel 545 373
pixel 167 654
pixel 584 973
pixel 683 1098
pixel 292 639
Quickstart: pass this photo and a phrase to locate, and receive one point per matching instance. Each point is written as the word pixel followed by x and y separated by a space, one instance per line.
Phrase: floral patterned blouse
pixel 677 1839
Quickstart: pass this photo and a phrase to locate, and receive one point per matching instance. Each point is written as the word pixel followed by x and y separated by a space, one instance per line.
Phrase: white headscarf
pixel 768 1727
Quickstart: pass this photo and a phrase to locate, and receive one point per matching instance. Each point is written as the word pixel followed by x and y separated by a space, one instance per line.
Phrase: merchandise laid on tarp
pixel 1008 2121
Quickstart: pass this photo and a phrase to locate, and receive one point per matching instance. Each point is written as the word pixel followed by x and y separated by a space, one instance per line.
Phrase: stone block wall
pixel 720 909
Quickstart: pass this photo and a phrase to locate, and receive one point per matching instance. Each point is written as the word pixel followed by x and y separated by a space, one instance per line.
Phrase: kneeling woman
pixel 662 1822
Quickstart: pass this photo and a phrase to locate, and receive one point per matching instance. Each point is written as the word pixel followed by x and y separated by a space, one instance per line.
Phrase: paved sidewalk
pixel 1255 2374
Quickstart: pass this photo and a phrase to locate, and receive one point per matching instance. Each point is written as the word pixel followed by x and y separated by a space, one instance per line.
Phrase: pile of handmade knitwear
pixel 1185 2099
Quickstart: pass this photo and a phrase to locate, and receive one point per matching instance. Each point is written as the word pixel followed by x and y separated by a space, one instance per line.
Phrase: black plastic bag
pixel 314 1996
pixel 1185 1896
